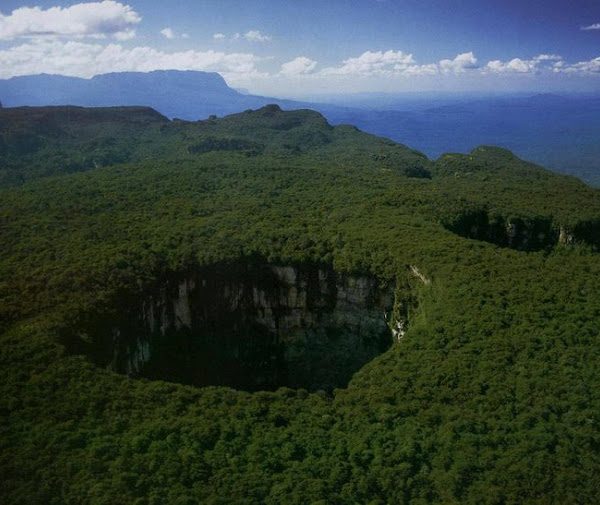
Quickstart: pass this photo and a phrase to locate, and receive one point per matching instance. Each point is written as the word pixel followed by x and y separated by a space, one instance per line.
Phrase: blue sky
pixel 296 47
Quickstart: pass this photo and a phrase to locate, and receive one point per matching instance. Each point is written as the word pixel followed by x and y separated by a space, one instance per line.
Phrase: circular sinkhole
pixel 249 325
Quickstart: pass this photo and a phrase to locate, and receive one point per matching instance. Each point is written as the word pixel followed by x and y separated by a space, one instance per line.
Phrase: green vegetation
pixel 492 396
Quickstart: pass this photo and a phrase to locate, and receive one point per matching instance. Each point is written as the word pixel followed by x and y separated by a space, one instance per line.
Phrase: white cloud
pixel 250 36
pixel 595 26
pixel 399 64
pixel 126 35
pixel 395 63
pixel 94 19
pixel 516 65
pixel 548 57
pixel 520 66
pixel 373 63
pixel 590 67
pixel 416 70
pixel 298 66
pixel 543 63
pixel 168 33
pixel 255 36
pixel 87 59
pixel 462 62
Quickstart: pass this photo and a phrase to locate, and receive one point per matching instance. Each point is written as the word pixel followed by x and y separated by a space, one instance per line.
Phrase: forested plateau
pixel 267 309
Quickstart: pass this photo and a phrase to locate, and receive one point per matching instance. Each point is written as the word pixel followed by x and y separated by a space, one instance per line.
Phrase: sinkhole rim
pixel 329 307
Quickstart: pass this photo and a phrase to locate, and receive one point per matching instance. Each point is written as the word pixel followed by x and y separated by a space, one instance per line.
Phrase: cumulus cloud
pixel 399 64
pixel 168 33
pixel 595 26
pixel 82 59
pixel 373 63
pixel 250 36
pixel 256 36
pixel 460 63
pixel 589 67
pixel 93 19
pixel 543 63
pixel 536 64
pixel 548 57
pixel 395 63
pixel 516 65
pixel 416 70
pixel 298 66
pixel 87 58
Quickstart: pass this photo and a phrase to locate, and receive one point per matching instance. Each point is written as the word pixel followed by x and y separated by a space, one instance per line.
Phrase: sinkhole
pixel 533 233
pixel 250 325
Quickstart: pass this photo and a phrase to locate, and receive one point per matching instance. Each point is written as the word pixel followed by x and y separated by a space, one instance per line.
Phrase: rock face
pixel 524 234
pixel 565 236
pixel 252 325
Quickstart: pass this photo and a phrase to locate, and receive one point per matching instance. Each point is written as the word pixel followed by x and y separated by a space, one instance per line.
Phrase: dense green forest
pixel 492 395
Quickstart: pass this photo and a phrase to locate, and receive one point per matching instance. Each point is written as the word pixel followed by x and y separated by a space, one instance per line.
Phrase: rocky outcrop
pixel 253 325
pixel 566 236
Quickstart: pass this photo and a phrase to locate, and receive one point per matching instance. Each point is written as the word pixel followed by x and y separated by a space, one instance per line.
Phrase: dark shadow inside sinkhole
pixel 250 325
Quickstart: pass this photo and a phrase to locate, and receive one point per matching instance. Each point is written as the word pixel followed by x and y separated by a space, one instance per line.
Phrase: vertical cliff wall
pixel 252 325
pixel 521 233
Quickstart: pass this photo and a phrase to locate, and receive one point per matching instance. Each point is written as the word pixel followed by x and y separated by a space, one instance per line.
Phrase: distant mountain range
pixel 186 95
pixel 559 132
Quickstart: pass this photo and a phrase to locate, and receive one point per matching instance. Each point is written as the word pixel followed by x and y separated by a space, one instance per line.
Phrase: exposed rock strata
pixel 525 234
pixel 252 325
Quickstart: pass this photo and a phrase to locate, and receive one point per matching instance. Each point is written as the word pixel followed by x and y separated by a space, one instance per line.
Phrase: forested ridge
pixel 492 395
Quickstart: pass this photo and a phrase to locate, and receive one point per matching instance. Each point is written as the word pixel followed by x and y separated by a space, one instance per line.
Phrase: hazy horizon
pixel 334 96
pixel 311 48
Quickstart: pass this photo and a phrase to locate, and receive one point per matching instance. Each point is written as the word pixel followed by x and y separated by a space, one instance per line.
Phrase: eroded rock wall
pixel 256 326
pixel 524 234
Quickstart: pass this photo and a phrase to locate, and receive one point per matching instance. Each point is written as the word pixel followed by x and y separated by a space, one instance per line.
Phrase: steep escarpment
pixel 251 325
pixel 517 233
pixel 531 233
pixel 491 195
